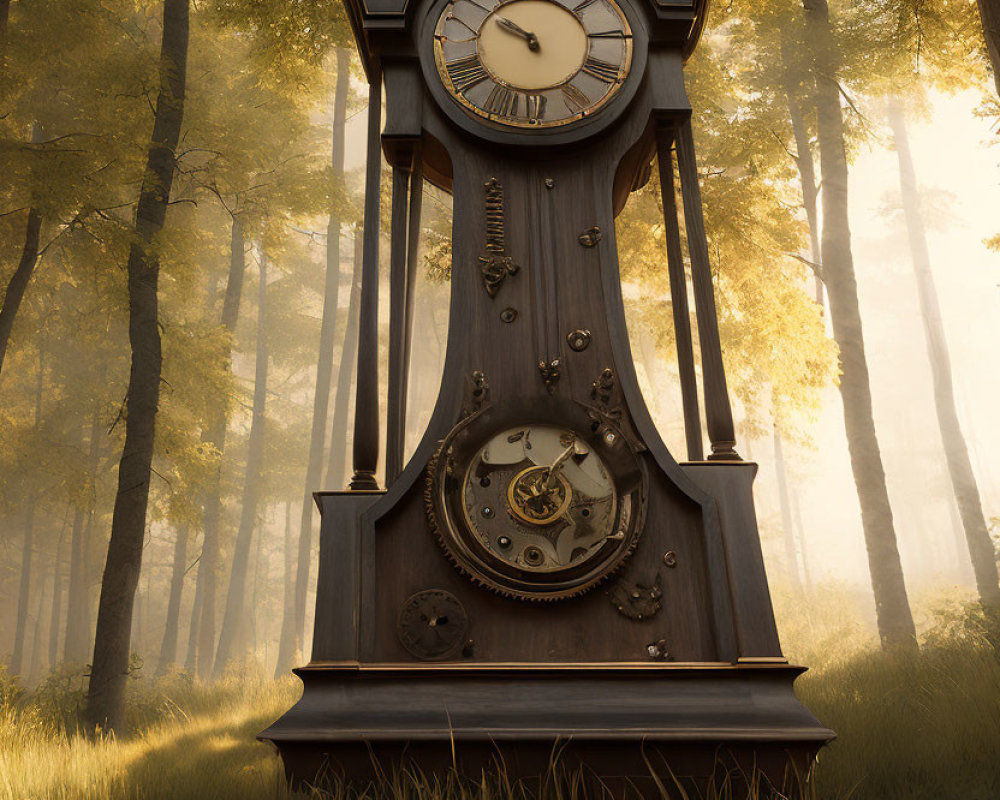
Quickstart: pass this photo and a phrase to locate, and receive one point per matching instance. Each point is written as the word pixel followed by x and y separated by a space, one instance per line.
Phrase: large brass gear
pixel 441 478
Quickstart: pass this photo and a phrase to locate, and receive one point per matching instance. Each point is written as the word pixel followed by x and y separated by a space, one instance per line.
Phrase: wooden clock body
pixel 677 646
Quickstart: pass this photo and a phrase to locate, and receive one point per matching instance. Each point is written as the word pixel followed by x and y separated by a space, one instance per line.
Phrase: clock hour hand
pixel 516 29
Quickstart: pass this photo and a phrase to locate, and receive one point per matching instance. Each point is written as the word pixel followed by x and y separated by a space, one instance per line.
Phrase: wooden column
pixel 398 325
pixel 366 434
pixel 678 295
pixel 718 414
pixel 413 253
pixel 403 278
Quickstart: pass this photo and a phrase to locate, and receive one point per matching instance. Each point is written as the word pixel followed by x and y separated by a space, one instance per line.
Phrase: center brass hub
pixel 537 500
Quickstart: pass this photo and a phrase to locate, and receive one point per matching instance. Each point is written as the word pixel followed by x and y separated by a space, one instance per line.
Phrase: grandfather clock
pixel 542 570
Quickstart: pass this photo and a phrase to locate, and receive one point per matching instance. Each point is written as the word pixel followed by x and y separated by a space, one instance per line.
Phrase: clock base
pixel 616 721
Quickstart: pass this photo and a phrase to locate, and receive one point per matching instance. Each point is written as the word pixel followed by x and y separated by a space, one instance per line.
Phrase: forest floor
pixel 912 727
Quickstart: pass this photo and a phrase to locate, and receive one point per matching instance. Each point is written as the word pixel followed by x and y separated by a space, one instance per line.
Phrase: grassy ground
pixel 909 727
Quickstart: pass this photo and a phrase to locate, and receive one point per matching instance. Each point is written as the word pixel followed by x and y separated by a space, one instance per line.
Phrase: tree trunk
pixel 294 619
pixel 288 600
pixel 190 660
pixel 257 570
pixel 106 691
pixel 168 649
pixel 18 283
pixel 78 626
pixel 810 192
pixel 27 549
pixel 989 15
pixel 801 528
pixel 236 597
pixel 24 589
pixel 203 614
pixel 786 512
pixel 336 469
pixel 963 479
pixel 55 620
pixel 19 280
pixel 35 665
pixel 4 14
pixel 895 621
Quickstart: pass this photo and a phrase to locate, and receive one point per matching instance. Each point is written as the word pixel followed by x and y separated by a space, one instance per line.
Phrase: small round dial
pixel 535 511
pixel 433 625
pixel 533 63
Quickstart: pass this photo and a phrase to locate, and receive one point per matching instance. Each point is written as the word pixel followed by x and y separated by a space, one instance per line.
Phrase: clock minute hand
pixel 516 29
pixel 558 465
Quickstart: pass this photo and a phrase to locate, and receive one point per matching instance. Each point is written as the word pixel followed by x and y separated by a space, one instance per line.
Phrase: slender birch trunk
pixel 168 648
pixel 963 479
pixel 202 640
pixel 787 528
pixel 235 613
pixel 55 620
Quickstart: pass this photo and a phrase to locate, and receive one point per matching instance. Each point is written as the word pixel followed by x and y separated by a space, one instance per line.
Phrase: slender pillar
pixel 678 296
pixel 718 414
pixel 398 325
pixel 366 434
pixel 412 258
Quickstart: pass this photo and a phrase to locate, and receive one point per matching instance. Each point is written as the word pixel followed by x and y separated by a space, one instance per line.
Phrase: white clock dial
pixel 533 63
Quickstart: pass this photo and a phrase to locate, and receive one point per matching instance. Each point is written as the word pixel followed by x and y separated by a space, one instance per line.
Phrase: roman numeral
pixel 578 9
pixel 536 106
pixel 602 70
pixel 502 102
pixel 615 34
pixel 575 99
pixel 466 72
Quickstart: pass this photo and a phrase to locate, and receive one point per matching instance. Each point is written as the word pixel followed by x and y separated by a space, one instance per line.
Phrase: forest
pixel 181 213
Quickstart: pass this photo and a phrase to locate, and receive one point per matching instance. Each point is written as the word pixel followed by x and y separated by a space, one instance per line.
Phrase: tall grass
pixel 909 727
pixel 915 727
pixel 186 741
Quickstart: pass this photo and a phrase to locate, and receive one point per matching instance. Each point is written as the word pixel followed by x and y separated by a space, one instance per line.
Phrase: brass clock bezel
pixel 634 54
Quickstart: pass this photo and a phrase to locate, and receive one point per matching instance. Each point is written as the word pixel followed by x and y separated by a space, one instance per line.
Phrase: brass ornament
pixel 608 412
pixel 590 237
pixel 658 650
pixel 550 373
pixel 670 559
pixel 579 340
pixel 496 265
pixel 603 388
pixel 477 393
pixel 637 601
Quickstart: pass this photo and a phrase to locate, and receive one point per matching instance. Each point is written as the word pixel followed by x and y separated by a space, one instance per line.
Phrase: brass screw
pixel 508 315
pixel 549 183
pixel 670 559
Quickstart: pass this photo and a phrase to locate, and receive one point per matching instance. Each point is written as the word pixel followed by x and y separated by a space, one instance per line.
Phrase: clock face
pixel 539 499
pixel 533 63
pixel 533 511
